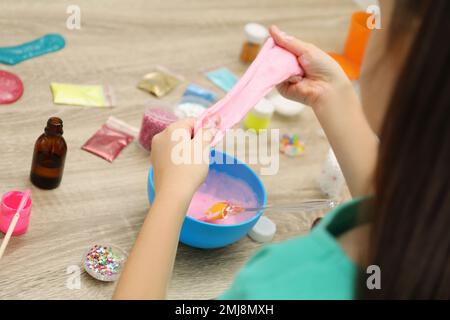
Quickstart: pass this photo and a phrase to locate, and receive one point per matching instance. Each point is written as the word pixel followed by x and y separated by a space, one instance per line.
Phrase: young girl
pixel 402 228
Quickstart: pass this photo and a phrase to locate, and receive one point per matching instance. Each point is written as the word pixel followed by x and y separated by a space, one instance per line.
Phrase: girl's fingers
pixel 186 124
pixel 283 87
pixel 288 42
pixel 206 136
pixel 296 92
pixel 294 79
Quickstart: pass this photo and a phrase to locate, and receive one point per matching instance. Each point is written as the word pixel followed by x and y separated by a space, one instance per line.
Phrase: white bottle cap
pixel 286 107
pixel 256 33
pixel 263 231
pixel 264 108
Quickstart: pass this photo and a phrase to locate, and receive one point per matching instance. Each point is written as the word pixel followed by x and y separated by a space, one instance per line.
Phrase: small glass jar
pixel 8 207
pixel 255 35
pixel 259 117
pixel 49 156
pixel 104 262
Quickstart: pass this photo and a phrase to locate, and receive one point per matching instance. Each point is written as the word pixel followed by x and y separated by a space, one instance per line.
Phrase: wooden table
pixel 119 41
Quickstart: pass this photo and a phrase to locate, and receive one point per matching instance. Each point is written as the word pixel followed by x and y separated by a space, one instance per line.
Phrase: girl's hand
pixel 180 162
pixel 324 79
pixel 149 266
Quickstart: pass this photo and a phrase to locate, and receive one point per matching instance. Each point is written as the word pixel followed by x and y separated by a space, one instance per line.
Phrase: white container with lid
pixel 263 231
pixel 256 33
pixel 286 107
pixel 259 117
pixel 264 108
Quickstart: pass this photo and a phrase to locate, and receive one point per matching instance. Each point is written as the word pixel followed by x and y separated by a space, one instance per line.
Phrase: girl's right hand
pixel 323 81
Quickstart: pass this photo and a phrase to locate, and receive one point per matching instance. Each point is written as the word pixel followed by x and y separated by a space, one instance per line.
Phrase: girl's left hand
pixel 180 162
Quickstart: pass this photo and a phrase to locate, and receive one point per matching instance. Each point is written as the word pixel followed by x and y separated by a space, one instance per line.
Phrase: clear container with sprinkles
pixel 104 262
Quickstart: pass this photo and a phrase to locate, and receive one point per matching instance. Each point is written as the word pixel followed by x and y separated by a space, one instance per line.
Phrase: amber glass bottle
pixel 49 156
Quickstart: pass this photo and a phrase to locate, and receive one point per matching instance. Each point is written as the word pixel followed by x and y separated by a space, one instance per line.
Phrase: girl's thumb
pixel 206 135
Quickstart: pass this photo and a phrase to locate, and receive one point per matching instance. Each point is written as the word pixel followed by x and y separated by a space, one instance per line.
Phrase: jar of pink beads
pixel 154 121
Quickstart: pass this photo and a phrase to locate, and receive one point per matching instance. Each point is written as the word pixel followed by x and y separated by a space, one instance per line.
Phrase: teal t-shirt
pixel 308 267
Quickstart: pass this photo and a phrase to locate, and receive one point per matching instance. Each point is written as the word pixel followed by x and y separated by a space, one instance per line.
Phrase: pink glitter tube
pixel 154 121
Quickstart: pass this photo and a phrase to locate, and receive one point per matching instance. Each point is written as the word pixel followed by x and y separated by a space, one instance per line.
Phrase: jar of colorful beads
pixel 104 262
pixel 154 121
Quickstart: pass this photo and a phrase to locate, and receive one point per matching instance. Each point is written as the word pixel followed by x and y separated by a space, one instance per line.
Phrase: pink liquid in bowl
pixel 220 187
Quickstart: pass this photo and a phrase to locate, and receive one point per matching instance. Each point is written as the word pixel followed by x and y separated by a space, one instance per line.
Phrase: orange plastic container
pixel 355 45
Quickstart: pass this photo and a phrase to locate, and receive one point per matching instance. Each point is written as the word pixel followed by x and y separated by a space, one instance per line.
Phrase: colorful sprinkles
pixel 104 262
pixel 291 145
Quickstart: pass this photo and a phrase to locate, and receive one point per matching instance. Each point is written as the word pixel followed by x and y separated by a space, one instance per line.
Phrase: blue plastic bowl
pixel 205 235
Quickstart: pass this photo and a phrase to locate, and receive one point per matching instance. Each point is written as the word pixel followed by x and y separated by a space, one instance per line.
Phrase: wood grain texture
pixel 101 202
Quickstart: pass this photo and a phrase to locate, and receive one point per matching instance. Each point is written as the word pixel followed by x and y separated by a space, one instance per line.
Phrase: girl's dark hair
pixel 410 236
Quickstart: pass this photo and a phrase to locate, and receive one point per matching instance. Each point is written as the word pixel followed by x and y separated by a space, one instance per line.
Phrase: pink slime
pixel 272 66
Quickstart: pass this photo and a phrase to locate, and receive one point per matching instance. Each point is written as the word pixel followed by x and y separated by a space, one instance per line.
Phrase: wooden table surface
pixel 99 202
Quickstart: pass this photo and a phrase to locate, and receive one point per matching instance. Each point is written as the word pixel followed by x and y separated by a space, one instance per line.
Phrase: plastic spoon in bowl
pixel 221 210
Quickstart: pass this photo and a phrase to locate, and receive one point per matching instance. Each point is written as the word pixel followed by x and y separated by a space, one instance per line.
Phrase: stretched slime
pixel 272 66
